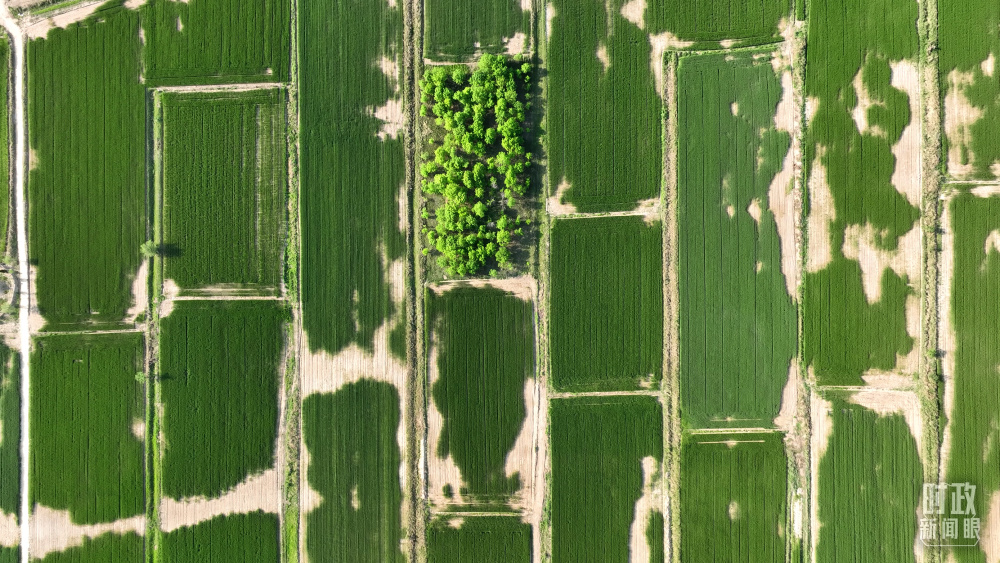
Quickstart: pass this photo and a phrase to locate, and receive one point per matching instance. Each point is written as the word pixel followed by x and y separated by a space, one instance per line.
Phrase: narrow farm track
pixel 20 136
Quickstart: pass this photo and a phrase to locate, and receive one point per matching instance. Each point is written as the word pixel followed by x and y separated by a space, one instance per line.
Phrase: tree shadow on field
pixel 169 250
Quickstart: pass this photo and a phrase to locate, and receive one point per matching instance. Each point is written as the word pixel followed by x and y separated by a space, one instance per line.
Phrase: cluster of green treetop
pixel 479 164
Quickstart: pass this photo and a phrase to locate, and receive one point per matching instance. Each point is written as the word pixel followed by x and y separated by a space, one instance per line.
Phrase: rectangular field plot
pixel 704 23
pixel 224 170
pixel 733 498
pixel 606 475
pixel 482 384
pixel 352 169
pixel 969 45
pixel 479 539
pixel 604 119
pixel 91 462
pixel 87 217
pixel 606 304
pixel 123 548
pixel 221 363
pixel 236 538
pixel 861 304
pixel 738 322
pixel 456 30
pixel 971 266
pixel 867 481
pixel 216 41
pixel 351 491
pixel 10 432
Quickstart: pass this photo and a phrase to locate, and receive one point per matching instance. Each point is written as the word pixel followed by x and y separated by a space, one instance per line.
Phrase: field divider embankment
pixel 223 88
pixel 724 431
pixel 24 329
pixel 137 330
pixel 574 395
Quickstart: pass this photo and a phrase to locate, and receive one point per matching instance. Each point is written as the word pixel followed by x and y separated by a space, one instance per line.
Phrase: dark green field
pixel 10 427
pixel 870 482
pixel 722 518
pixel 350 179
pixel 351 437
pixel 221 363
pixel 86 114
pixel 597 449
pixel 975 293
pixel 485 353
pixel 454 28
pixel 484 539
pixel 90 462
pixel 128 548
pixel 706 21
pixel 224 184
pixel 216 41
pixel 843 334
pixel 604 125
pixel 606 304
pixel 238 538
pixel 738 323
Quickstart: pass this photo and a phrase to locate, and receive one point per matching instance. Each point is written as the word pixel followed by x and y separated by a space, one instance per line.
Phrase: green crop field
pixel 216 41
pixel 127 548
pixel 10 431
pixel 968 38
pixel 224 177
pixel 5 198
pixel 86 113
pixel 353 454
pixel 870 481
pixel 221 363
pixel 604 125
pixel 606 304
pixel 482 539
pixel 350 178
pixel 722 518
pixel 485 343
pixel 975 291
pixel 597 449
pixel 454 30
pixel 90 463
pixel 237 538
pixel 852 42
pixel 706 21
pixel 738 323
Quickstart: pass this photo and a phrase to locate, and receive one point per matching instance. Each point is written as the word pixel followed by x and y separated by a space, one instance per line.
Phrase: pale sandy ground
pixel 140 295
pixel 10 531
pixel 985 190
pixel 822 426
pixel 240 87
pixel 783 200
pixel 170 292
pixel 392 117
pixel 441 471
pixel 652 496
pixel 660 43
pixel 959 116
pixel 888 381
pixel 139 429
pixel 602 55
pixel 789 398
pixel 887 402
pixel 550 14
pixel 907 175
pixel 860 244
pixel 53 530
pixel 822 213
pixel 554 204
pixel 521 457
pixel 390 68
pixel 990 533
pixel 62 20
pixel 635 12
pixel 522 287
pixel 257 492
pixel 516 44
pixel 860 112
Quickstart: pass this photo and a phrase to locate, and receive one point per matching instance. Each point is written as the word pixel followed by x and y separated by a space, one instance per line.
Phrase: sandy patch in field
pixel 990 534
pixel 989 65
pixel 860 111
pixel 526 6
pixel 392 117
pixel 554 204
pixel 134 4
pixel 53 530
pixel 781 195
pixel 63 20
pixel 550 14
pixel 985 191
pixel 959 116
pixel 322 372
pixel 39 29
pixel 660 43
pixel 170 292
pixel 139 429
pixel 887 381
pixel 516 45
pixel 906 176
pixel 789 398
pixel 822 426
pixel 635 12
pixel 860 244
pixel 390 68
pixel 992 243
pixel 648 209
pixel 602 55
pixel 652 496
pixel 522 287
pixel 754 210
pixel 10 531
pixel 140 296
pixel 521 457
pixel 309 498
pixel 258 492
pixel 812 106
pixel 441 471
pixel 888 402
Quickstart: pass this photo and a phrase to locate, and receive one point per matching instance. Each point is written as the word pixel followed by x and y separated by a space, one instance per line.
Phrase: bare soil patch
pixel 822 426
pixel 783 200
pixel 257 492
pixel 652 496
pixel 635 12
pixel 887 402
pixel 170 292
pixel 140 296
pixel 522 287
pixel 550 14
pixel 53 530
pixel 887 381
pixel 521 457
pixel 789 398
pixel 390 68
pixel 392 117
pixel 959 116
pixel 517 44
pixel 441 472
pixel 554 204
pixel 10 531
pixel 62 20
pixel 602 55
pixel 822 213
pixel 860 243
pixel 860 112
pixel 906 176
pixel 660 43
pixel 990 534
pixel 989 65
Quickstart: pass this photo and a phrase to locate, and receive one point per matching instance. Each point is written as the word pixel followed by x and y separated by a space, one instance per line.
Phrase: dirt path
pixel 17 44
